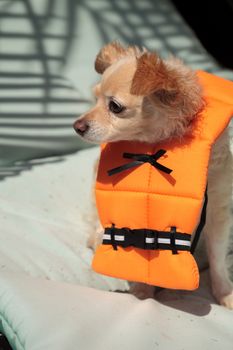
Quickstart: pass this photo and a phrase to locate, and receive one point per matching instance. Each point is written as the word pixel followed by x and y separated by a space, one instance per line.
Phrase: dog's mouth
pixel 80 132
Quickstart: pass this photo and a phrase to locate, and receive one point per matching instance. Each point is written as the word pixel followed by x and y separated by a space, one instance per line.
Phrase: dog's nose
pixel 80 126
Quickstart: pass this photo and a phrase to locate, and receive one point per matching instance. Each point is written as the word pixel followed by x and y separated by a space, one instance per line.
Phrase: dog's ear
pixel 108 55
pixel 153 79
pixel 112 53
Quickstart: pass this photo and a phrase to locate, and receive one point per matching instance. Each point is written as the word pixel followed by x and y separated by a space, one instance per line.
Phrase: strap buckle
pixel 132 239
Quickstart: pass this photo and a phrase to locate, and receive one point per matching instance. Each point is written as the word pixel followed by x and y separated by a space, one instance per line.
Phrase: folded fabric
pixel 37 314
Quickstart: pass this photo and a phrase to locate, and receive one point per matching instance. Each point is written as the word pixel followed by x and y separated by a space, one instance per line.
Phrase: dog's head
pixel 140 97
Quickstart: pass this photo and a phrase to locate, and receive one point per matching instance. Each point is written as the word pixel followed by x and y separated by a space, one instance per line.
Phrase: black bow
pixel 140 159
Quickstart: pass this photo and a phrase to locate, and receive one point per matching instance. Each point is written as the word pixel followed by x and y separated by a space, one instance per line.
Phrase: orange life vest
pixel 159 208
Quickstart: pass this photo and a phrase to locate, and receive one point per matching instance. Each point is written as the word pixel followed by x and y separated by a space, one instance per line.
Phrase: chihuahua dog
pixel 144 98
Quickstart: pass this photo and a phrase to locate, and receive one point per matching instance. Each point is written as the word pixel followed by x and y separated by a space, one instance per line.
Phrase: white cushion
pixel 45 220
pixel 38 314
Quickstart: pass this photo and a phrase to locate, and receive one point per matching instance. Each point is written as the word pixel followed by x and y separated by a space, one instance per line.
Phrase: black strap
pixel 173 237
pixel 147 239
pixel 141 159
pixel 201 224
pixel 112 237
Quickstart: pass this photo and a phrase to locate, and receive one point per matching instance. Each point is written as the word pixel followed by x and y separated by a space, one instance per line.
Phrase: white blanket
pixel 45 221
pixel 42 315
pixel 45 297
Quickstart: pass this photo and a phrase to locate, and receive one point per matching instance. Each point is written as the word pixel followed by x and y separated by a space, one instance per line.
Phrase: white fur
pixel 219 220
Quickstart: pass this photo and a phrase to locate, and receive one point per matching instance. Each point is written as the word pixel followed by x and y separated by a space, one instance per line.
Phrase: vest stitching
pixel 148 209
pixel 153 193
pixel 219 100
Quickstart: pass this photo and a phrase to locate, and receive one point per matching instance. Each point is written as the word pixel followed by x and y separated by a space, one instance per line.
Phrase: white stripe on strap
pixel 116 237
pixel 150 240
pixel 182 242
pixel 168 241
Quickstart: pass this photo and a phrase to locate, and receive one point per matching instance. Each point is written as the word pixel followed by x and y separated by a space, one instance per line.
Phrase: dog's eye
pixel 115 107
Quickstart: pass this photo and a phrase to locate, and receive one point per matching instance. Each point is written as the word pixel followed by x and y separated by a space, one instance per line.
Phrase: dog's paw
pixel 91 243
pixel 95 239
pixel 223 292
pixel 227 301
pixel 142 291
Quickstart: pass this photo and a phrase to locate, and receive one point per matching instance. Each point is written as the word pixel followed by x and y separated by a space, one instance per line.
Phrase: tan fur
pixel 111 53
pixel 172 97
pixel 170 83
pixel 151 75
pixel 161 98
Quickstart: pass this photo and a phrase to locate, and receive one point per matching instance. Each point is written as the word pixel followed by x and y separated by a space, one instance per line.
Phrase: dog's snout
pixel 81 126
